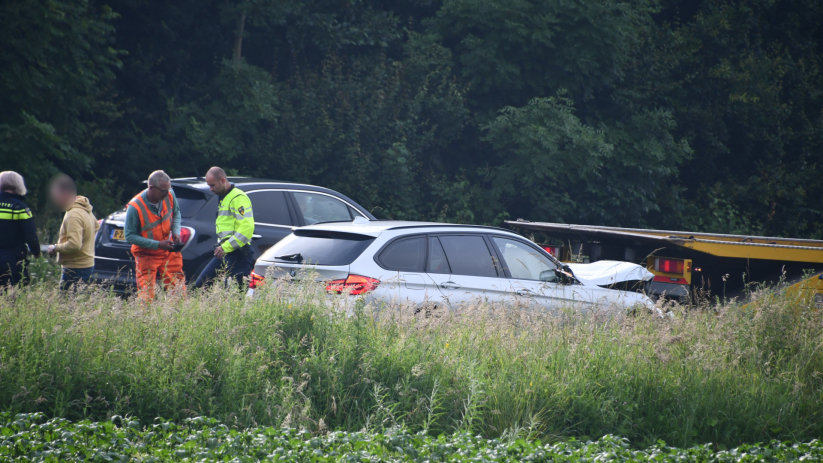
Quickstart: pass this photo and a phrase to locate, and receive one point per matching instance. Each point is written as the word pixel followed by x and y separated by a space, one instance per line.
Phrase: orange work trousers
pixel 150 263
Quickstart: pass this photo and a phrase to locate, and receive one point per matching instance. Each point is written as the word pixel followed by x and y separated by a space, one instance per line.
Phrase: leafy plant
pixel 30 437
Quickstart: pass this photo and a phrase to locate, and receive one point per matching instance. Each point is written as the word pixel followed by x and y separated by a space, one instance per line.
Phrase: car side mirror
pixel 548 275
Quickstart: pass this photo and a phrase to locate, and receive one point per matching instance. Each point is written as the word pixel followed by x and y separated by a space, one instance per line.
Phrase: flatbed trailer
pixel 686 264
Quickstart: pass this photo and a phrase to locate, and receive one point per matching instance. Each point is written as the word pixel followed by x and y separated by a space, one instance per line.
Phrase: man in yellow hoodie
pixel 75 246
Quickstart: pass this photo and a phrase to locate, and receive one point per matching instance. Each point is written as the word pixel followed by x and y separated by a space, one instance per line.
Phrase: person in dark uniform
pixel 17 229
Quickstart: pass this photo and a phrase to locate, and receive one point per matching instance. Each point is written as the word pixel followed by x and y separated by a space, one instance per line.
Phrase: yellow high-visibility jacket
pixel 235 220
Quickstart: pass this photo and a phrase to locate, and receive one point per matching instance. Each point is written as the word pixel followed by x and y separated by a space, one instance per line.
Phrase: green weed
pixel 289 358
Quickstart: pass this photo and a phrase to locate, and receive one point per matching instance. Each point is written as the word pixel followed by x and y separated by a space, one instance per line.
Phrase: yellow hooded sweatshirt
pixel 75 247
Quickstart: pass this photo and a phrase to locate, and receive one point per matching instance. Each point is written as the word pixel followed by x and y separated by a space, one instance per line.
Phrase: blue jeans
pixel 70 276
pixel 237 265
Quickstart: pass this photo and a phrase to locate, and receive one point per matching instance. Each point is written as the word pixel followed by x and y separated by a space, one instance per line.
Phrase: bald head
pixel 217 173
pixel 217 181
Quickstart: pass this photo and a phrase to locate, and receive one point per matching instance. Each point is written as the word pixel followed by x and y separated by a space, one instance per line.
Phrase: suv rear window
pixel 190 200
pixel 317 247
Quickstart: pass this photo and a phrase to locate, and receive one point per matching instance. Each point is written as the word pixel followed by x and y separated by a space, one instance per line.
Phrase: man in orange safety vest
pixel 153 230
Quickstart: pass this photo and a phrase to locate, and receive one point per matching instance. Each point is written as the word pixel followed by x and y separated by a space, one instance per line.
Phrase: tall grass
pixel 725 374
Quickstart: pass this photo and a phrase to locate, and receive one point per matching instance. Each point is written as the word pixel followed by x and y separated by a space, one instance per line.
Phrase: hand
pixel 165 245
pixel 176 239
pixel 52 252
pixel 219 252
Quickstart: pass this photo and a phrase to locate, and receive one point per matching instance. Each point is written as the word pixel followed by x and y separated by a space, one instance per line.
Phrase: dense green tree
pixel 744 81
pixel 510 51
pixel 351 101
pixel 585 158
pixel 57 68
pixel 661 113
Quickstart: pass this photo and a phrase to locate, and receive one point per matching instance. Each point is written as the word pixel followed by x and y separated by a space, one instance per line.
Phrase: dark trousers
pixel 70 276
pixel 237 264
pixel 12 266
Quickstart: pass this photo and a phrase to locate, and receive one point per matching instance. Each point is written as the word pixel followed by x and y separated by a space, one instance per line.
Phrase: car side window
pixel 523 261
pixel 468 255
pixel 316 208
pixel 270 207
pixel 407 255
pixel 437 258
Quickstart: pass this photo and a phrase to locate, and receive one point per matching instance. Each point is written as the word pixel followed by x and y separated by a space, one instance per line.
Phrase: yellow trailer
pixel 685 262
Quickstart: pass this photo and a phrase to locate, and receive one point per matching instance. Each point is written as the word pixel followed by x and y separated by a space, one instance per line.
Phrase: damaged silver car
pixel 396 262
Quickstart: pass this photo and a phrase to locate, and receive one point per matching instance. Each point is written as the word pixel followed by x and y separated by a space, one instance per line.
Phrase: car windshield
pixel 319 248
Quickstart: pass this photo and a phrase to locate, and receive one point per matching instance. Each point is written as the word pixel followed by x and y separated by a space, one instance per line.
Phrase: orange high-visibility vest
pixel 153 226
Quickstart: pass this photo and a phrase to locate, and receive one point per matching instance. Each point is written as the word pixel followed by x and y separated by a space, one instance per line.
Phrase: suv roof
pixel 248 183
pixel 375 227
pixel 200 182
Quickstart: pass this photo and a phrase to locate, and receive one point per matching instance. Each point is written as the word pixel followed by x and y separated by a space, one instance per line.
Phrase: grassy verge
pixel 729 375
pixel 32 438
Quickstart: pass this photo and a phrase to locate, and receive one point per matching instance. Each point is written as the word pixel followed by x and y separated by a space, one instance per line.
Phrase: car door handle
pixel 449 285
pixel 256 237
pixel 524 292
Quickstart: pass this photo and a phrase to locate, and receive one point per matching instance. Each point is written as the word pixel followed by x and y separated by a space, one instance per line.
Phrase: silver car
pixel 391 262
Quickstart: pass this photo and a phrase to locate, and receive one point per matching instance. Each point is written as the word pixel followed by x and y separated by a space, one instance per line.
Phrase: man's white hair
pixel 157 177
pixel 10 180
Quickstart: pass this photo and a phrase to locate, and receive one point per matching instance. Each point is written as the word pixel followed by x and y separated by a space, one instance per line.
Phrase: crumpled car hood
pixel 609 272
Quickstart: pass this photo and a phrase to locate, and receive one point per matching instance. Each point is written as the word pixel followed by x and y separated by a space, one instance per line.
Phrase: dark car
pixel 278 207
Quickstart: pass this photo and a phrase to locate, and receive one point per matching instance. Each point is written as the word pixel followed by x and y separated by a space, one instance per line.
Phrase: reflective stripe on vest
pixel 14 214
pixel 149 221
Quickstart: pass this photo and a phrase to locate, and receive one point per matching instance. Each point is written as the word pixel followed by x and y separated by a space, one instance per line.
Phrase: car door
pixel 595 297
pixel 465 270
pixel 405 280
pixel 272 221
pixel 531 274
pixel 314 207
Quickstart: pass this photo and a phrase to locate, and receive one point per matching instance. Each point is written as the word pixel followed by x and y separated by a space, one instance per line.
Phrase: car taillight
pixel 185 234
pixel 255 280
pixel 668 265
pixel 554 250
pixel 353 284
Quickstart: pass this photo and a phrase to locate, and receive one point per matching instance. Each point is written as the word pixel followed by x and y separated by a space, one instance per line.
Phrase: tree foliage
pixel 657 113
pixel 57 67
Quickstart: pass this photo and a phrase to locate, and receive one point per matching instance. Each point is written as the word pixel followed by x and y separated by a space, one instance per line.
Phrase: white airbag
pixel 609 272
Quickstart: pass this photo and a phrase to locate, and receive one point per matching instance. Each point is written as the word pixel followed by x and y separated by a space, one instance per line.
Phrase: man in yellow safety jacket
pixel 235 227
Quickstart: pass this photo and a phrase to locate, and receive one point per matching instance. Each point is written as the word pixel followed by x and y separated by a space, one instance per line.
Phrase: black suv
pixel 278 207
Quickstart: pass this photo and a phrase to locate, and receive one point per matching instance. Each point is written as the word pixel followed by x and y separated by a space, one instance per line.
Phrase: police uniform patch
pixel 242 210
